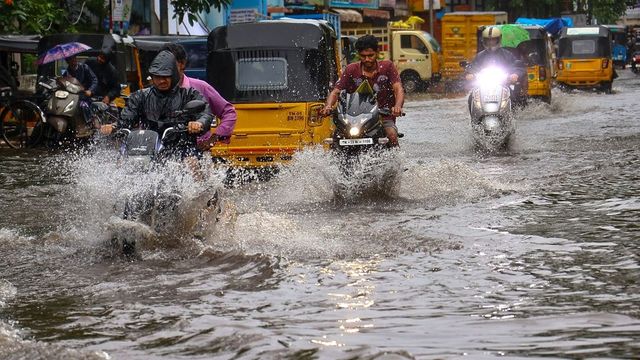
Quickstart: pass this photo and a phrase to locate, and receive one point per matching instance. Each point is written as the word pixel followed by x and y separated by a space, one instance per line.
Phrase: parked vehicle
pixel 415 53
pixel 584 58
pixel 19 112
pixel 195 46
pixel 277 74
pixel 490 108
pixel 459 39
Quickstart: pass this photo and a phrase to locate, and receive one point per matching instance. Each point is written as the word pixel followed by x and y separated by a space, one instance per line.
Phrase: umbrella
pixel 512 35
pixel 62 51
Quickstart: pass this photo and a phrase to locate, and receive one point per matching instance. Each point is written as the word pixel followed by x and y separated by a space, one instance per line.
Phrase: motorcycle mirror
pixel 195 106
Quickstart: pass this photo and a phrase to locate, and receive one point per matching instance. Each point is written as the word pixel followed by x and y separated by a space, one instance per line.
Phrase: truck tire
pixel 410 82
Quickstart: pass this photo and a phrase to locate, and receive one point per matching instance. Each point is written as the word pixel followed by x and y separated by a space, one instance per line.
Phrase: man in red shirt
pixel 383 79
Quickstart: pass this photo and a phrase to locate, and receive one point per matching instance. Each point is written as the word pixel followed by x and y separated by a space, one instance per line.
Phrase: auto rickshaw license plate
pixel 490 98
pixel 350 142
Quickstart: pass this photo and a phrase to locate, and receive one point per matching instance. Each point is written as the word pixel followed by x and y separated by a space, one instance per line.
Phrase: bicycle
pixel 18 119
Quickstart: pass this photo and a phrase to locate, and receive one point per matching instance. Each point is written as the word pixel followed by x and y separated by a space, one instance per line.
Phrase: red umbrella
pixel 62 51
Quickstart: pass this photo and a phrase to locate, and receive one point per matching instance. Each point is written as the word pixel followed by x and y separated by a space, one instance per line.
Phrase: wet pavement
pixel 435 252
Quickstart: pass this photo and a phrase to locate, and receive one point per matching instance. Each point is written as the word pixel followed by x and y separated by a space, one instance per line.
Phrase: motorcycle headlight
pixel 354 131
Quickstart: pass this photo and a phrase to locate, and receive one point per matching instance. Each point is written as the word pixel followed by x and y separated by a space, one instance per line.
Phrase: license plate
pixel 350 142
pixel 490 98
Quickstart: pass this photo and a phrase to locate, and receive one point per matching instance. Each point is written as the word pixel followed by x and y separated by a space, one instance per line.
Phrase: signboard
pixel 388 3
pixel 121 9
pixel 371 4
pixel 583 31
pixel 243 15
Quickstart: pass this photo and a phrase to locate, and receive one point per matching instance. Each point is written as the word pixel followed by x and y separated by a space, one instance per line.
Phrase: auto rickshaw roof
pixel 272 34
pixel 535 31
pixel 585 31
pixel 19 43
pixel 156 42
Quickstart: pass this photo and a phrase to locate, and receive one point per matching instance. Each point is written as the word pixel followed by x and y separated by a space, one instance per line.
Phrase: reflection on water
pixel 531 253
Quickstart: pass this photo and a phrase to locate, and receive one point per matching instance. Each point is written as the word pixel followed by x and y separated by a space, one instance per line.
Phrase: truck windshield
pixel 432 41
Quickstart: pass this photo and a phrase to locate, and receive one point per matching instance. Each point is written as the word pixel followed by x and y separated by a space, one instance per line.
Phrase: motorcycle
pixel 358 125
pixel 155 211
pixel 64 119
pixel 359 143
pixel 490 108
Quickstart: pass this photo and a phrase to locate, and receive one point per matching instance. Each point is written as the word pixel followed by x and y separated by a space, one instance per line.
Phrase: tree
pixel 192 7
pixel 31 17
pixel 608 11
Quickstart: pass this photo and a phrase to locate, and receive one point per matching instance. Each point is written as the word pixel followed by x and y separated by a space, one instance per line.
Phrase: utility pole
pixel 431 17
pixel 110 16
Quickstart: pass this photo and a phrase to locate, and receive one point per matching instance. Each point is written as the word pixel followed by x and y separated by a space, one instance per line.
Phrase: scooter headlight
pixel 354 131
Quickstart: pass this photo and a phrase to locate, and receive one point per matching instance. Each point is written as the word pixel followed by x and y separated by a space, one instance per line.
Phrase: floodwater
pixel 437 252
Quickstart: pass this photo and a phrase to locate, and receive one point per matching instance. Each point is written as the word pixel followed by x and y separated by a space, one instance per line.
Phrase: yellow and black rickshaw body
pixel 584 58
pixel 277 74
pixel 538 52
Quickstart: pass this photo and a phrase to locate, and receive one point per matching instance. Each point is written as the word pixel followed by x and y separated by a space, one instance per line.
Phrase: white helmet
pixel 491 37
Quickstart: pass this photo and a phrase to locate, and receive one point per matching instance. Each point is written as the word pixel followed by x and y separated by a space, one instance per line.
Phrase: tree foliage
pixel 31 17
pixel 608 11
pixel 193 7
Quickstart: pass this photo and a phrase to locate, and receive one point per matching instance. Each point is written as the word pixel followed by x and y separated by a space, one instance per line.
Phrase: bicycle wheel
pixel 18 122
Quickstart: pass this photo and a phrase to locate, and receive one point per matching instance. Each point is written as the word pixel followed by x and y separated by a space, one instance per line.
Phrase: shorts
pixel 389 123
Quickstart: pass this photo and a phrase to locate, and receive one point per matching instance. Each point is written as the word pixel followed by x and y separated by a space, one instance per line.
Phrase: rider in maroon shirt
pixel 383 79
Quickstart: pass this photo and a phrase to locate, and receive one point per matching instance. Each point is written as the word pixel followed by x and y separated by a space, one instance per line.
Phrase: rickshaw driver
pixel 495 54
pixel 383 78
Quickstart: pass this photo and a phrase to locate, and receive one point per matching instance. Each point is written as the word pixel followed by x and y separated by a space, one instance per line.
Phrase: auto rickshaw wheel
pixel 607 87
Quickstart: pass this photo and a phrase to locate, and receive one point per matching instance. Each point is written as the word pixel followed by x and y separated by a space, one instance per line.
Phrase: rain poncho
pixel 151 108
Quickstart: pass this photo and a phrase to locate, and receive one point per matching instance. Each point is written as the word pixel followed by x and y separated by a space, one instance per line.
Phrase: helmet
pixel 491 37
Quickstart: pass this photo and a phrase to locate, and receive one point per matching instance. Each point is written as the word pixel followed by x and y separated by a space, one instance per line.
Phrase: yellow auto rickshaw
pixel 277 74
pixel 584 58
pixel 538 51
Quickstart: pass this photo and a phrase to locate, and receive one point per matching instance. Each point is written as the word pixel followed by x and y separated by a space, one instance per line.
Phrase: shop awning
pixel 349 15
pixel 374 13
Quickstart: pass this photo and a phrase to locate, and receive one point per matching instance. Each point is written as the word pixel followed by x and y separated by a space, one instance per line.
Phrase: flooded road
pixel 532 252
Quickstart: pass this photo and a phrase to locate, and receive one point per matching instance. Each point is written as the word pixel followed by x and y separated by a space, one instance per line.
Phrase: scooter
pixel 156 208
pixel 491 109
pixel 63 115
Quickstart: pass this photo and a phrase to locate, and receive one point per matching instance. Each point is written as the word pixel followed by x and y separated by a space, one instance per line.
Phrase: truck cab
pixel 415 53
